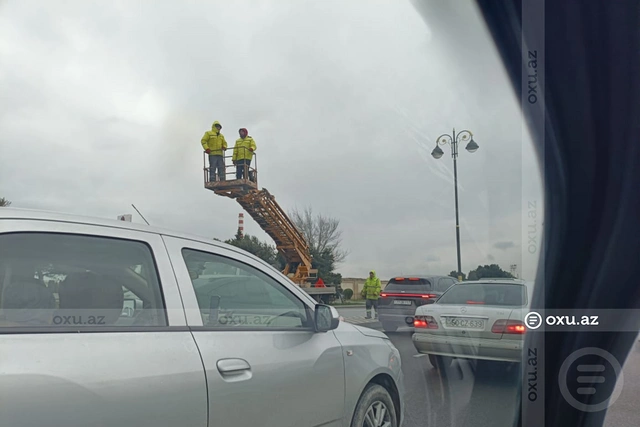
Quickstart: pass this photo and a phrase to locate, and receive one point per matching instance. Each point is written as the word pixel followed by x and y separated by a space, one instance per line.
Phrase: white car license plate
pixel 402 302
pixel 463 322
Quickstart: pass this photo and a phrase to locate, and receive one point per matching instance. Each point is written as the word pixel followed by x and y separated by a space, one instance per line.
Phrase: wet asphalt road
pixel 484 394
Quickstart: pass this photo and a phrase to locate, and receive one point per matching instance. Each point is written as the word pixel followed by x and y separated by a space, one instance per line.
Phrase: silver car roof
pixel 40 215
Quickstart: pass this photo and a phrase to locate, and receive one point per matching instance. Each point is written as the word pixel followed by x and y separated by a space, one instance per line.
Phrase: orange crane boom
pixel 290 242
pixel 264 209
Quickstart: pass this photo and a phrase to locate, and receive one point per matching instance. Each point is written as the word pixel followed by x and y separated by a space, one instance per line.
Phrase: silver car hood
pixel 371 332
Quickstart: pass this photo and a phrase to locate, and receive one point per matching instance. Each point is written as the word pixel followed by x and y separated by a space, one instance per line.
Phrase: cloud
pixel 504 245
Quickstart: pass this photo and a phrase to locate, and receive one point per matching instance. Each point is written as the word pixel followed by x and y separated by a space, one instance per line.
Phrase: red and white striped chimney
pixel 241 224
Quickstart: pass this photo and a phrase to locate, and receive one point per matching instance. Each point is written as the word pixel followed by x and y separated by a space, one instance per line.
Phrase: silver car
pixel 107 323
pixel 474 320
pixel 401 296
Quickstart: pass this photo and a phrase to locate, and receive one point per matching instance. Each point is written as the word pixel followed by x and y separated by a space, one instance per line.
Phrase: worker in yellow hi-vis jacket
pixel 215 145
pixel 242 155
pixel 371 291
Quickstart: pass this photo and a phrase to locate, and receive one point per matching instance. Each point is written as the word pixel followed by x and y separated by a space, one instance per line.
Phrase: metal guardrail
pixel 234 171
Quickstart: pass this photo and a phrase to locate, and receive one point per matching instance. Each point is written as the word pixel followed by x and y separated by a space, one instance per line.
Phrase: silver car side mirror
pixel 324 318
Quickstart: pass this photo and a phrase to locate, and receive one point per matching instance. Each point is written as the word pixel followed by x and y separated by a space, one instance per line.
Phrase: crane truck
pixel 267 213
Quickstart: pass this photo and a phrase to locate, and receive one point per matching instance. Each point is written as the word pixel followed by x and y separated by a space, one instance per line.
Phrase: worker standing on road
pixel 215 145
pixel 242 155
pixel 371 292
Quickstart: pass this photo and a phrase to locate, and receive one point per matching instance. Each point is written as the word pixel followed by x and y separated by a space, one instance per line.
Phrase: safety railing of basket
pixel 242 169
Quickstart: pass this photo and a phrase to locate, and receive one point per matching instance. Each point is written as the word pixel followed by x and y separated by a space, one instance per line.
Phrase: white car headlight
pixel 393 347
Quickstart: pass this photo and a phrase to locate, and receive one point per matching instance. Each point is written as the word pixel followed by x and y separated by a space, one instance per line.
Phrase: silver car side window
pixel 78 281
pixel 233 294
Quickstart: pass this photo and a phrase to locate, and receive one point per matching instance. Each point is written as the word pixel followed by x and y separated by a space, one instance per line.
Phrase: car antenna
pixel 145 220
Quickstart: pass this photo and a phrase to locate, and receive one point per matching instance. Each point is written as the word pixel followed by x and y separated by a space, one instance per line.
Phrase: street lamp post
pixel 437 153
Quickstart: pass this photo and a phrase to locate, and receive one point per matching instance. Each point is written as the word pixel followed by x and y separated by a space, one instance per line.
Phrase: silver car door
pixel 265 365
pixel 79 358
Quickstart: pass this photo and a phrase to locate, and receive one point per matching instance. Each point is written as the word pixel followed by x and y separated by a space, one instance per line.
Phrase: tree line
pixel 324 237
pixel 483 271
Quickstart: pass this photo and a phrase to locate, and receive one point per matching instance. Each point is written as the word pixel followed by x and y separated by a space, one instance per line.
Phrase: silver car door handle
pixel 233 366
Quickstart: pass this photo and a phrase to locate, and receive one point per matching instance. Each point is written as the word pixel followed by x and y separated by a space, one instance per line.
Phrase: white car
pixel 481 319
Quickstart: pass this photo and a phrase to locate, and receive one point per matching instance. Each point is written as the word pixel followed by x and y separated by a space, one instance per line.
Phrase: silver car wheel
pixel 377 415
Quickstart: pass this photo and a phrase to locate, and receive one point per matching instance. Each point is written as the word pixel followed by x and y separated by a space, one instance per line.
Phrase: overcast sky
pixel 103 104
